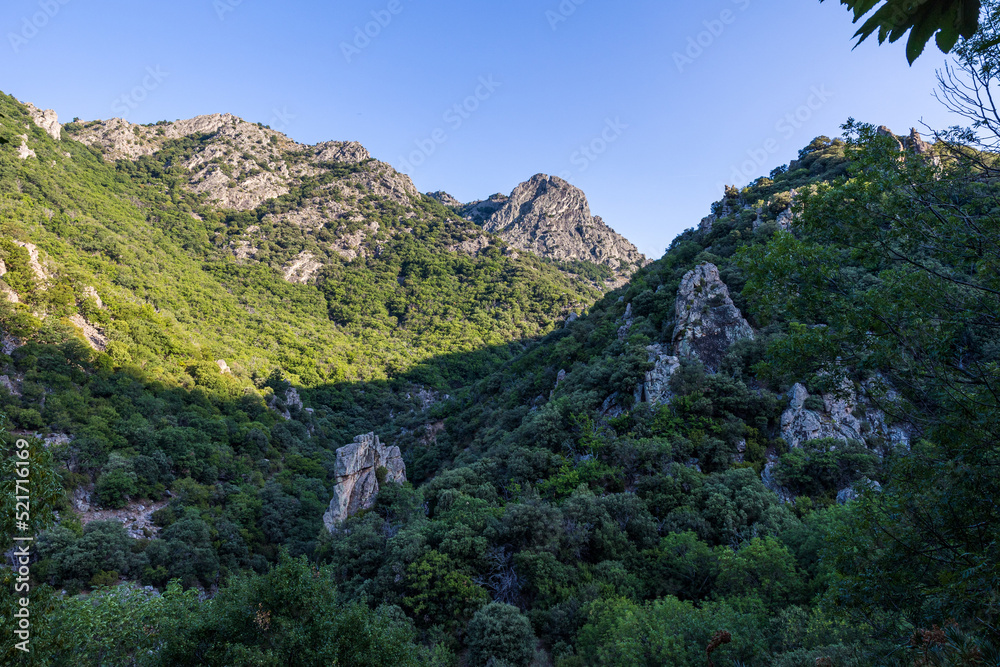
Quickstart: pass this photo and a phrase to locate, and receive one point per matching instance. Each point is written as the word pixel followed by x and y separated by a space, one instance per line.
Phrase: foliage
pixel 948 19
pixel 499 632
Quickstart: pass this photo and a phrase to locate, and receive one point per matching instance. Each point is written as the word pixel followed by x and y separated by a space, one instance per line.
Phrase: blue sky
pixel 649 106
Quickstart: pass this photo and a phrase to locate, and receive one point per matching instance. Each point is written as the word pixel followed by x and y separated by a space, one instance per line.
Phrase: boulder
pixel 357 476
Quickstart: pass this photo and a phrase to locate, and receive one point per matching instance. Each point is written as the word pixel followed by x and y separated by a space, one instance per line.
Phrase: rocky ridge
pixel 237 164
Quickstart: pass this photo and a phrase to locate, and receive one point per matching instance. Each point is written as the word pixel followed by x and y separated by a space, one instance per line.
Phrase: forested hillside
pixel 773 446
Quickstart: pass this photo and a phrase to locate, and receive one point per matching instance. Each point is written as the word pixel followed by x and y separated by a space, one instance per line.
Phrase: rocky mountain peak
pixel 549 216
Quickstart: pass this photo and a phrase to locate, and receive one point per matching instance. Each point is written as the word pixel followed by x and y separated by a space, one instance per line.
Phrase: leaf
pixel 949 19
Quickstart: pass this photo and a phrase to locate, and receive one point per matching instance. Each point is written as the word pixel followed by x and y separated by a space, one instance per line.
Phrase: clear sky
pixel 649 106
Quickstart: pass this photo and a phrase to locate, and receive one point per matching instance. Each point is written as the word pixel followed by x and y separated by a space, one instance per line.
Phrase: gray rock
pixel 8 385
pixel 550 217
pixel 481 210
pixel 852 492
pixel 48 120
pixel 840 419
pixel 770 483
pixel 708 322
pixel 445 198
pixel 655 387
pixel 94 337
pixel 357 477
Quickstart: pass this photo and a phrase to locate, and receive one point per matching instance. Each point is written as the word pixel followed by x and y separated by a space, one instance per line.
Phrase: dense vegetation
pixel 550 518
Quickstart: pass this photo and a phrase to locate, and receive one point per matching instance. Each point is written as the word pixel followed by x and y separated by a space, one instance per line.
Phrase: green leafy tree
pixel 499 632
pixel 440 593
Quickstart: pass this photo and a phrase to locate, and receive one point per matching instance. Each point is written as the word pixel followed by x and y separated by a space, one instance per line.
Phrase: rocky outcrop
pixel 445 199
pixel 349 152
pixel 548 216
pixel 655 387
pixel 23 151
pixel 914 142
pixel 708 322
pixel 841 416
pixel 35 262
pixel 6 383
pixel 136 517
pixel 481 211
pixel 91 334
pixel 238 164
pixel 302 268
pixel 357 471
pixel 48 120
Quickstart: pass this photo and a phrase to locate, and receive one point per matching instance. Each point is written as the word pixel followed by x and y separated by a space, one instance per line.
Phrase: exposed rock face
pixel 350 152
pixel 240 165
pixel 845 496
pixel 445 198
pixel 481 211
pixel 48 120
pixel 23 151
pixel 840 418
pixel 655 387
pixel 36 265
pixel 302 268
pixel 95 338
pixel 90 292
pixel 708 322
pixel 357 477
pixel 550 217
pixel 914 142
pixel 136 517
pixel 8 385
pixel 472 246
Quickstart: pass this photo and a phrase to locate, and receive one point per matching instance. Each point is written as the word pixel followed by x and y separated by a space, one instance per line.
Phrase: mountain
pixel 550 217
pixel 346 409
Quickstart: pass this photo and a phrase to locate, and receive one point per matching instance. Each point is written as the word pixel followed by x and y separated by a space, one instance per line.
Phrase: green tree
pixel 499 632
pixel 440 593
